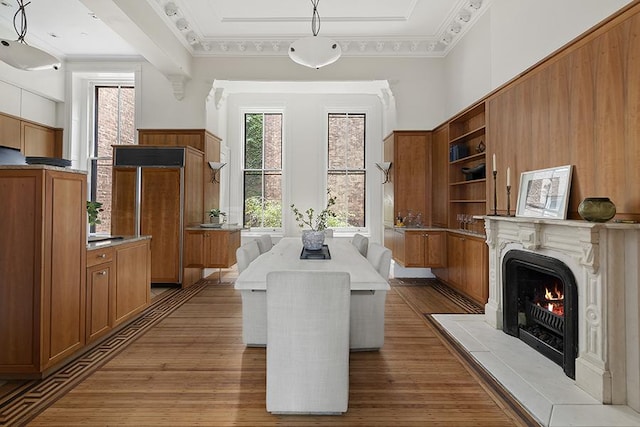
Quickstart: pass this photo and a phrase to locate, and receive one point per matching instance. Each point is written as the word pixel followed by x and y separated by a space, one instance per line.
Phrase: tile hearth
pixel 536 382
pixel 603 259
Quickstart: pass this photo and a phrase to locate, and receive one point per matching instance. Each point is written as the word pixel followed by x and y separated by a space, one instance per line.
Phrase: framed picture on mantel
pixel 544 193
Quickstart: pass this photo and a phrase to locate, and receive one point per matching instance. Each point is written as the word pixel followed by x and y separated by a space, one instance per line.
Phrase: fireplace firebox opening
pixel 541 305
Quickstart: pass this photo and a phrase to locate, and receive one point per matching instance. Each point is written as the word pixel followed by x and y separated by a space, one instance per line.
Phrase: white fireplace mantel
pixel 605 261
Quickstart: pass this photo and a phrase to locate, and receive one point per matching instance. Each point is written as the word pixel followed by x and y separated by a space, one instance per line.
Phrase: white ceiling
pixel 71 30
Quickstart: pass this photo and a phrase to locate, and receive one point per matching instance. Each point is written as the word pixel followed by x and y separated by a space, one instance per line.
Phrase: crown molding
pixel 452 29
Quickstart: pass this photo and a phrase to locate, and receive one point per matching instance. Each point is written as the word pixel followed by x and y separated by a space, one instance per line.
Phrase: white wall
pixel 469 68
pixel 304 154
pixel 160 108
pixel 523 32
pixel 512 36
pixel 416 83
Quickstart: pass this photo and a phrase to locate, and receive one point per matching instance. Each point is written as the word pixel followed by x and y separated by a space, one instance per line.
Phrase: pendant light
pixel 19 54
pixel 315 51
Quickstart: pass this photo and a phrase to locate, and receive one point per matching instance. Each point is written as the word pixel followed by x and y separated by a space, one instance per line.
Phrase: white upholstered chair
pixel 253 303
pixel 380 258
pixel 264 243
pixel 361 243
pixel 308 342
pixel 247 253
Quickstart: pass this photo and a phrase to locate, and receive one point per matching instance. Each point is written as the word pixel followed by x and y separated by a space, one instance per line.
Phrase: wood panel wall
pixel 581 106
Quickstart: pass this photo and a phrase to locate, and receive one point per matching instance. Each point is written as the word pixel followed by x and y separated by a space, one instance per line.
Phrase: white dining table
pixel 368 289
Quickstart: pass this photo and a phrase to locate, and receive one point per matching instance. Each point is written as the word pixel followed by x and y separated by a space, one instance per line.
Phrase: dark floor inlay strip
pixel 41 394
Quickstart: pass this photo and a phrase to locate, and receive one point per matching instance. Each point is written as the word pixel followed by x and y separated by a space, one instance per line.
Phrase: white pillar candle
pixel 494 162
pixel 508 176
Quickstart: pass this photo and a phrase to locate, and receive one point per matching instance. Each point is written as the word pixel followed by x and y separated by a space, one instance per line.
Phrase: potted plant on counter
pixel 93 210
pixel 313 239
pixel 214 216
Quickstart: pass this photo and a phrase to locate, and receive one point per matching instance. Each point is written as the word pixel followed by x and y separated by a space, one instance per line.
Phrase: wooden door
pixel 10 132
pixel 435 249
pixel 160 218
pixel 476 270
pixel 21 192
pixel 63 284
pixel 123 202
pixel 439 176
pixel 194 249
pixel 132 285
pixel 38 141
pixel 414 247
pixel 455 261
pixel 194 187
pixel 217 243
pixel 411 157
pixel 99 313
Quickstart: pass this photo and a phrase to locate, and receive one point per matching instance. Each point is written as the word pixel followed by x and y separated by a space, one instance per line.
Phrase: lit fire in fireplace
pixel 554 300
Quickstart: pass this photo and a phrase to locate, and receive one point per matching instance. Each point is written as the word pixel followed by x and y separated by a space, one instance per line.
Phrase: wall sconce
pixel 384 167
pixel 215 169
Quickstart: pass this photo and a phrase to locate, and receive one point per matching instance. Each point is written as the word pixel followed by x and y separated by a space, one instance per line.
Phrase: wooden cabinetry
pixel 30 138
pixel 10 132
pixel 42 268
pixel 38 141
pixel 211 248
pixel 173 137
pixel 467 142
pixel 100 293
pixel 467 266
pixel 439 182
pixel 199 139
pixel 420 248
pixel 171 198
pixel 133 280
pixel 118 285
pixel 409 186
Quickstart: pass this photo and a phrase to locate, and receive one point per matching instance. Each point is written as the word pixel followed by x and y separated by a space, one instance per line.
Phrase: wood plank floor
pixel 192 369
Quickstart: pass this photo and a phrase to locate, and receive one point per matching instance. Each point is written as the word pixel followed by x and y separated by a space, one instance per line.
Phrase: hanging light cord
pixel 23 21
pixel 315 19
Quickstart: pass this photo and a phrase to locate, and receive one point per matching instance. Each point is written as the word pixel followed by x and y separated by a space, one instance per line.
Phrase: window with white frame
pixel 346 172
pixel 262 170
pixel 114 123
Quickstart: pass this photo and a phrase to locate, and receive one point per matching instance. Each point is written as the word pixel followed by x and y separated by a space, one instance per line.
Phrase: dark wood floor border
pixel 36 396
pixel 481 372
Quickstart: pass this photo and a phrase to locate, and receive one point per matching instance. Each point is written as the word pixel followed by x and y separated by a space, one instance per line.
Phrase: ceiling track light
pixel 315 51
pixel 18 53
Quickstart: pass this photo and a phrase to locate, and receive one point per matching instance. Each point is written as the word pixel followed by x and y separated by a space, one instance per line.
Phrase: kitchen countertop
pixel 223 228
pixel 451 230
pixel 403 229
pixel 114 241
pixel 46 167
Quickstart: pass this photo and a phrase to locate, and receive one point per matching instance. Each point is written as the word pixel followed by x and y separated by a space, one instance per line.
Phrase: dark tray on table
pixel 317 254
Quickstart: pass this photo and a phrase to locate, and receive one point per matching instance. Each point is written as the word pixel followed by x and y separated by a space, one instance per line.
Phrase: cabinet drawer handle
pixel 102 273
pixel 101 256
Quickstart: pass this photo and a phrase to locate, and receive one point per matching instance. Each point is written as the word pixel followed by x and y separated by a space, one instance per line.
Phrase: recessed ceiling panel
pixel 282 18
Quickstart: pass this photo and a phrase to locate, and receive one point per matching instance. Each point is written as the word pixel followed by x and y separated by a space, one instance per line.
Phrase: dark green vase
pixel 597 209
